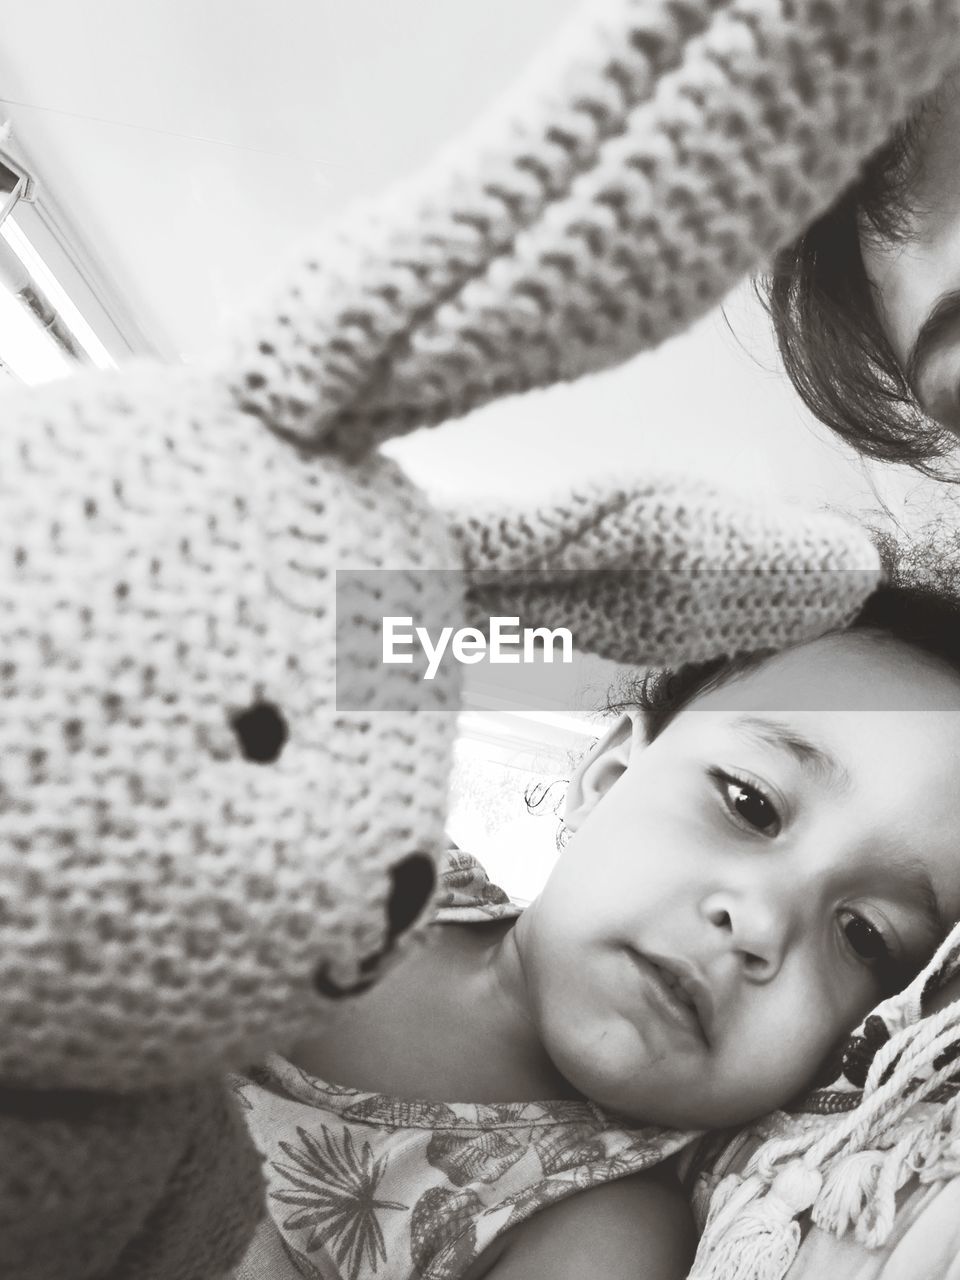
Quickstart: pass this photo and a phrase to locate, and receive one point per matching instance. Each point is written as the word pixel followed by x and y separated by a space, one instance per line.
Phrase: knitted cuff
pixel 667 572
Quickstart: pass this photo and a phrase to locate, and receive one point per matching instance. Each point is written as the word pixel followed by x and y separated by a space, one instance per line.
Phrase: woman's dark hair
pixel 825 319
pixel 924 616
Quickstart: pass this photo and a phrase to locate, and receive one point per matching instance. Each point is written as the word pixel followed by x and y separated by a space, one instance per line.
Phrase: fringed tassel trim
pixel 847 1173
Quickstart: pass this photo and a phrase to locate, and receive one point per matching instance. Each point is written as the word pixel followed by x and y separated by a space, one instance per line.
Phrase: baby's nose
pixel 756 929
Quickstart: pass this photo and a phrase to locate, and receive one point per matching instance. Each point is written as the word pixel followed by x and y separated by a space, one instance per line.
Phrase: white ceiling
pixel 192 141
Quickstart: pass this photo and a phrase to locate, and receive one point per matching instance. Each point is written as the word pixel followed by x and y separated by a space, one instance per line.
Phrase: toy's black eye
pixel 261 731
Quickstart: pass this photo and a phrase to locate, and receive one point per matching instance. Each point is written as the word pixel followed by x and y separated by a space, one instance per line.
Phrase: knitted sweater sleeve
pixel 656 153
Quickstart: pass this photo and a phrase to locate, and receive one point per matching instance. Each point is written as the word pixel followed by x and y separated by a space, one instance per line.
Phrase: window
pixel 57 309
pixel 501 759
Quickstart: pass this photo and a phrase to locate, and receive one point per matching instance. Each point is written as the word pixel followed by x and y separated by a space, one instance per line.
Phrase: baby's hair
pixel 924 616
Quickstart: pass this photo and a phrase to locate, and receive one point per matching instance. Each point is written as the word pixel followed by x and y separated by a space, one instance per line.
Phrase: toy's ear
pixel 658 152
pixel 730 576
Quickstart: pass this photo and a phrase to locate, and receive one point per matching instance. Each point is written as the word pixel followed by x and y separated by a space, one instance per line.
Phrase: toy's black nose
pixel 412 882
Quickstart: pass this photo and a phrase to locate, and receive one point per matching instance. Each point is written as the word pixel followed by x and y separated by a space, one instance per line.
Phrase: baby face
pixel 738 894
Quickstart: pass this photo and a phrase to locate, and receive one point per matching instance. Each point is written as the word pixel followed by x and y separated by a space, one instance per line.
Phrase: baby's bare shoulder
pixel 635 1228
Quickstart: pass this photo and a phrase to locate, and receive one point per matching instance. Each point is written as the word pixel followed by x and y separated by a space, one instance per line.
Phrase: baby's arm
pixel 636 1228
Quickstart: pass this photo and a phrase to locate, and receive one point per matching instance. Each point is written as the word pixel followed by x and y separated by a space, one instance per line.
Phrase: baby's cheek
pixel 854 997
pixel 827 995
pixel 788 1041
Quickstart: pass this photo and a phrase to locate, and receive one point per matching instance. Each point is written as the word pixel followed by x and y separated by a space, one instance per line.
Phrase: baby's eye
pixel 865 939
pixel 748 803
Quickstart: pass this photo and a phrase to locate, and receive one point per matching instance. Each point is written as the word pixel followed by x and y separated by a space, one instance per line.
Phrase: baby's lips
pixel 412 883
pixel 695 989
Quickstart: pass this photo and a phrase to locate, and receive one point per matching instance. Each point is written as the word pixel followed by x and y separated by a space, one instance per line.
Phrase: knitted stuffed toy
pixel 199 849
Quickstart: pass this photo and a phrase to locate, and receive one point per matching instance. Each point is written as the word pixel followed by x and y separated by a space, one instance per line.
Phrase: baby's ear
pixel 732 574
pixel 600 767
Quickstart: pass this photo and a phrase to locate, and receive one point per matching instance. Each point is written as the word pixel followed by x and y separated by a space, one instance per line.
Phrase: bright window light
pixel 51 288
pixel 25 348
pixel 58 306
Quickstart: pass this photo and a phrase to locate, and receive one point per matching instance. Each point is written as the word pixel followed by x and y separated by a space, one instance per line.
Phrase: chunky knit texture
pixel 666 572
pixel 658 151
pixel 197 849
pixel 159 1184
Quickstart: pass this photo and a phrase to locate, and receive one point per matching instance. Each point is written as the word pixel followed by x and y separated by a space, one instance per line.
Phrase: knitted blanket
pixel 199 849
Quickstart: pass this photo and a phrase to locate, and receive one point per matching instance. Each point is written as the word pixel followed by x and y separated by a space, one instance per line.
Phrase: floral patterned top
pixel 362 1186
